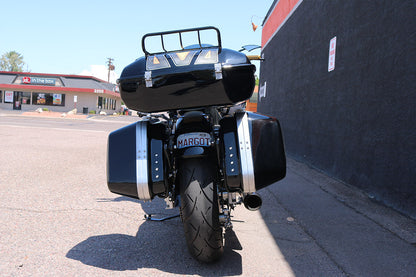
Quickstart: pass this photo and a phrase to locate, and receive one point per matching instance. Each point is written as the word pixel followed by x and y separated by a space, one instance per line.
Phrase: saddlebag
pixel 135 160
pixel 196 76
pixel 254 155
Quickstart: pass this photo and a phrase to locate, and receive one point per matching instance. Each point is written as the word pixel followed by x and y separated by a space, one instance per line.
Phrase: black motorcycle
pixel 194 146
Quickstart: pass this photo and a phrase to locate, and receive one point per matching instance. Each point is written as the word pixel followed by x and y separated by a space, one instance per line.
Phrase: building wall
pixel 84 100
pixel 90 101
pixel 357 122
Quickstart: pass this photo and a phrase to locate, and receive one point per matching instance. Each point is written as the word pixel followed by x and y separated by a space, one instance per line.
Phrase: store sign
pixel 38 81
pixel 57 99
pixel 8 96
pixel 41 99
pixel 98 91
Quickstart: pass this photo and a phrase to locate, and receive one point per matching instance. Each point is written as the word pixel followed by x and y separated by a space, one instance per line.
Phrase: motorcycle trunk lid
pixel 197 76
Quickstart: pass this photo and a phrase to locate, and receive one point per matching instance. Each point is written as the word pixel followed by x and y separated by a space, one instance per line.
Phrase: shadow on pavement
pixel 324 228
pixel 159 245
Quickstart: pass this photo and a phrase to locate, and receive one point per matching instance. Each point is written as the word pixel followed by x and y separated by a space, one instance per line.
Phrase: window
pixel 20 96
pixel 48 99
pixel 24 97
pixel 106 103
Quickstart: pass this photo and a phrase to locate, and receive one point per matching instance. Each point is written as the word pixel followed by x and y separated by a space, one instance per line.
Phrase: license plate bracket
pixel 199 139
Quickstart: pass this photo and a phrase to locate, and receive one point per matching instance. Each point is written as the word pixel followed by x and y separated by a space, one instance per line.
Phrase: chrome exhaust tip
pixel 252 202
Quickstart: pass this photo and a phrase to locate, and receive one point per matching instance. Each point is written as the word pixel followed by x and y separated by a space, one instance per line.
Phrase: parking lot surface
pixel 59 219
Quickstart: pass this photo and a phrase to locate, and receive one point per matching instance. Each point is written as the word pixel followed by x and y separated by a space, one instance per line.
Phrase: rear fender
pixel 193 135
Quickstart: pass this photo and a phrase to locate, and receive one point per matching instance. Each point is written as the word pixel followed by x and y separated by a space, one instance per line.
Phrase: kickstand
pixel 150 218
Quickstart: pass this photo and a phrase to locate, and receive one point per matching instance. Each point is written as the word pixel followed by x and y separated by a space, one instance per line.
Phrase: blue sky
pixel 68 37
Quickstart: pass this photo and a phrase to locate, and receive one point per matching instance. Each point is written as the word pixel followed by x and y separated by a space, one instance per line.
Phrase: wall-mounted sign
pixel 98 91
pixel 38 81
pixel 331 59
pixel 262 91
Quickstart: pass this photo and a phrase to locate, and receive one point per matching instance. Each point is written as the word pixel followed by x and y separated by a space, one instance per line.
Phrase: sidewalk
pixel 339 228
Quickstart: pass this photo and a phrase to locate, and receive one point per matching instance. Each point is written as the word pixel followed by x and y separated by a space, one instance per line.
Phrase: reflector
pixel 182 55
pixel 157 62
pixel 207 56
pixel 182 58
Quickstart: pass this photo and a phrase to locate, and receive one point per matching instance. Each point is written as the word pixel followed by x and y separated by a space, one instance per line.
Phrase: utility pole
pixel 110 67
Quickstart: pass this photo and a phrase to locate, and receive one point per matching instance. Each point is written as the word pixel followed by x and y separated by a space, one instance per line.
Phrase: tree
pixel 12 61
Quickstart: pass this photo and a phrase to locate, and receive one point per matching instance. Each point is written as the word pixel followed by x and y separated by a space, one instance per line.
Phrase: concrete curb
pixel 58 115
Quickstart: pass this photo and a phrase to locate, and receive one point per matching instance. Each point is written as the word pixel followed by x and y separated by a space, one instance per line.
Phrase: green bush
pixel 45 109
pixel 92 112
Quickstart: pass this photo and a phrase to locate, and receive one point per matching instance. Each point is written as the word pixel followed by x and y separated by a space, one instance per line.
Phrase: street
pixel 58 218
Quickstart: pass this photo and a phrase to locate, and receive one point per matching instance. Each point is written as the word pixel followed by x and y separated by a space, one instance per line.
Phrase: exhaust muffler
pixel 252 202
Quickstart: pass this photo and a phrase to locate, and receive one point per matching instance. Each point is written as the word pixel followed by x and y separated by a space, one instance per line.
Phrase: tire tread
pixel 199 210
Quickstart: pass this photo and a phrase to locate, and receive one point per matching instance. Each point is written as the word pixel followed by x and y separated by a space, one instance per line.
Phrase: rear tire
pixel 199 209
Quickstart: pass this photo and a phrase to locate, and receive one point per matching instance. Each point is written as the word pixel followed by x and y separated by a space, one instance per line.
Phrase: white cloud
pixel 100 72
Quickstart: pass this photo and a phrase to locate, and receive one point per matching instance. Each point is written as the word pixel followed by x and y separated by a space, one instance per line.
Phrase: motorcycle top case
pixel 195 76
pixel 135 160
pixel 254 155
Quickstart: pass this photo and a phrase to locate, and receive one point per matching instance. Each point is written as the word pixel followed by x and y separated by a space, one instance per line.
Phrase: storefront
pixel 61 93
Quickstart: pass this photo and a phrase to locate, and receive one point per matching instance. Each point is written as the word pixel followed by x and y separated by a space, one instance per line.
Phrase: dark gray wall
pixel 356 123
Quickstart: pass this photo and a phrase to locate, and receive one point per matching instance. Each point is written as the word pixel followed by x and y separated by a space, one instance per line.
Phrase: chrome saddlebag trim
pixel 141 161
pixel 246 155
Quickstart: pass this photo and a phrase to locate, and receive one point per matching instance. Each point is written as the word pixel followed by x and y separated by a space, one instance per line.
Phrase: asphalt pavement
pixel 59 219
